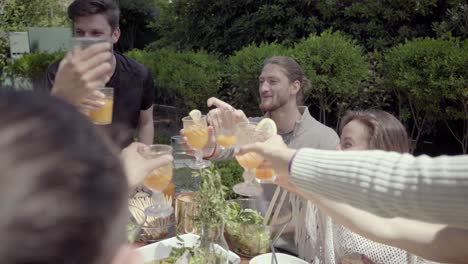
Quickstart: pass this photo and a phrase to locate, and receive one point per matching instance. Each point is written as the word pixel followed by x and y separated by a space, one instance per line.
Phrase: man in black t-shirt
pixel 132 82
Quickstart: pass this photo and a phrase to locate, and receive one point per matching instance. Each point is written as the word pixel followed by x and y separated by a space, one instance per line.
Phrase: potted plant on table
pixel 210 218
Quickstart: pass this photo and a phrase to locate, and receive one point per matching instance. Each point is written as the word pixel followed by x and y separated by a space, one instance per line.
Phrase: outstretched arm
pixel 387 184
pixel 436 242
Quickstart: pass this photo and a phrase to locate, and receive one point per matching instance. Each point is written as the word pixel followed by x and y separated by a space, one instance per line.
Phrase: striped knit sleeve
pixel 388 184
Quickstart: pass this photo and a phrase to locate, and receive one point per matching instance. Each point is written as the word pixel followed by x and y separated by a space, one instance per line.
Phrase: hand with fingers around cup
pixel 138 167
pixel 276 153
pixel 81 72
pixel 209 148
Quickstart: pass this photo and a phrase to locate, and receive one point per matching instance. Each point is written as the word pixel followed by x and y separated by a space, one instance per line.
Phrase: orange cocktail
pixel 197 136
pixel 264 174
pixel 225 141
pixel 246 133
pixel 250 160
pixel 196 132
pixel 159 178
pixel 223 122
pixel 103 115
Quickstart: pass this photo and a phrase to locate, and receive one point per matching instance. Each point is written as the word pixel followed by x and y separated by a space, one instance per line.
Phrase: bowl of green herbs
pixel 244 229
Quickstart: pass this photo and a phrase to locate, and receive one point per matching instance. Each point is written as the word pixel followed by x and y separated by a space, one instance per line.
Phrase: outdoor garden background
pixel 409 58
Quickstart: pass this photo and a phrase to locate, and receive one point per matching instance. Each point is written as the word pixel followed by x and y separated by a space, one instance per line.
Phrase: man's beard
pixel 272 105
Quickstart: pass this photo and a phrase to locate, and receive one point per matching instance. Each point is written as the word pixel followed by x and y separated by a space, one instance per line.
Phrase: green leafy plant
pixel 455 93
pixel 33 65
pixel 423 73
pixel 337 68
pixel 231 174
pixel 182 78
pixel 455 22
pixel 211 206
pixel 245 230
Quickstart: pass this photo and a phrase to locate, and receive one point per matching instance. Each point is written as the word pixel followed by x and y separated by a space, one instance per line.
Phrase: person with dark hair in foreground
pixel 383 187
pixel 62 185
pixel 132 82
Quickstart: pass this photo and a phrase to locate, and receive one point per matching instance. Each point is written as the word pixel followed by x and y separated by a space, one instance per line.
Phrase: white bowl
pixel 282 259
pixel 162 249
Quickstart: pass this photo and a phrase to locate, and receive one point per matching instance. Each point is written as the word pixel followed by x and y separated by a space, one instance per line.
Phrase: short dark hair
pixel 82 8
pixel 62 186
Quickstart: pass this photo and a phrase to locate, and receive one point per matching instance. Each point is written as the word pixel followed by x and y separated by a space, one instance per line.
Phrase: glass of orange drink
pixel 103 115
pixel 224 127
pixel 158 180
pixel 196 132
pixel 247 134
pixel 264 174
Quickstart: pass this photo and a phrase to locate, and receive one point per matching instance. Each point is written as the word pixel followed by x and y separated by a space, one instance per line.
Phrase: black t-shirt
pixel 133 91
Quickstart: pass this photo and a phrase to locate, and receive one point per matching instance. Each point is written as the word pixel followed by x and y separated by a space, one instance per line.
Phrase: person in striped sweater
pixel 374 193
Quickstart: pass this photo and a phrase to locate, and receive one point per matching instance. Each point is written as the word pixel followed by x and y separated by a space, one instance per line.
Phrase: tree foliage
pixel 33 65
pixel 454 23
pixel 336 67
pixel 182 78
pixel 226 26
pixel 18 15
pixel 135 18
pixel 423 73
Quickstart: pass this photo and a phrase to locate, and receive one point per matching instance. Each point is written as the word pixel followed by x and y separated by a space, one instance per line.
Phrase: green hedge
pixel 428 69
pixel 33 65
pixel 337 68
pixel 231 174
pixel 426 77
pixel 427 74
pixel 186 78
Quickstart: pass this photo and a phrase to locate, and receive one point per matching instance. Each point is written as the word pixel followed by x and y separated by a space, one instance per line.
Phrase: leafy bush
pixel 225 26
pixel 231 174
pixel 182 78
pixel 33 65
pixel 336 67
pixel 423 72
pixel 244 67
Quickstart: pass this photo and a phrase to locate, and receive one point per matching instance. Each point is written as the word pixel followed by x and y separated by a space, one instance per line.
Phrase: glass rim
pixel 164 147
pixel 149 151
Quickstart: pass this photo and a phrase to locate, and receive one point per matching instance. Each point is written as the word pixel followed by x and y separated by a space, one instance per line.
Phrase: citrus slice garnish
pixel 195 115
pixel 267 127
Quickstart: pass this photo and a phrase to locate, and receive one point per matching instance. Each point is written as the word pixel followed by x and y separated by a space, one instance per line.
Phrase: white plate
pixel 162 249
pixel 282 259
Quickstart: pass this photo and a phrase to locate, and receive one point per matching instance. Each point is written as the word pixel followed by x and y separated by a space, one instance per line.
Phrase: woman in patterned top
pixel 365 130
